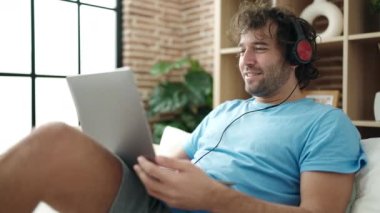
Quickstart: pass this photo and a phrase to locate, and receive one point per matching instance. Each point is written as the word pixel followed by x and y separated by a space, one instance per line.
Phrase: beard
pixel 274 78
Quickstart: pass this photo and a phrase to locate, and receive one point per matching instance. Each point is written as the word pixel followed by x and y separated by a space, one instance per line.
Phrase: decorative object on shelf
pixel 376 106
pixel 329 97
pixel 330 11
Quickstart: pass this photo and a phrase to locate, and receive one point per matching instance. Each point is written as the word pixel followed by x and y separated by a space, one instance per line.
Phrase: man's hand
pixel 177 182
pixel 182 185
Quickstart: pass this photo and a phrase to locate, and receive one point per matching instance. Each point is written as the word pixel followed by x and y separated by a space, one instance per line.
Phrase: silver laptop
pixel 110 111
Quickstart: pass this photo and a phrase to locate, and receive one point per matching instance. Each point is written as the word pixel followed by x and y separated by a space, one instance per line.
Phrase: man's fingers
pixel 145 177
pixel 172 163
pixel 154 187
pixel 148 167
pixel 154 170
pixel 151 184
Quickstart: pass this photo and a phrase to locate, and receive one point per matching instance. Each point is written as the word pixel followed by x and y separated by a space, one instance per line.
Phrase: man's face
pixel 261 62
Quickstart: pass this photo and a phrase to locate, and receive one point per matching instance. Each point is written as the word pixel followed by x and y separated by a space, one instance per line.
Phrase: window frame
pixel 33 76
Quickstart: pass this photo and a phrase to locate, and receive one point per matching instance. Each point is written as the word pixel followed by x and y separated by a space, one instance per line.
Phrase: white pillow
pixel 368 180
pixel 172 141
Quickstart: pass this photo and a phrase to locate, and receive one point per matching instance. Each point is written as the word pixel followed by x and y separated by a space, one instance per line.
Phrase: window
pixel 42 42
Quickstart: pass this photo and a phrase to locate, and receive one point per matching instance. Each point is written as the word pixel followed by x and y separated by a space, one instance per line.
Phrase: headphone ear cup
pixel 302 50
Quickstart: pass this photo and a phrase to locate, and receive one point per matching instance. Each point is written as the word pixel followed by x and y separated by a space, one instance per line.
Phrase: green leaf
pixel 181 63
pixel 200 84
pixel 165 67
pixel 168 97
pixel 161 68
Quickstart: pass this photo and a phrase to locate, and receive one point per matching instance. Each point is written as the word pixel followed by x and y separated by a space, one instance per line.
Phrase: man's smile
pixel 251 74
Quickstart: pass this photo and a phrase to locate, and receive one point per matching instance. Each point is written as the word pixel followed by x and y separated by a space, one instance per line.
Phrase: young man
pixel 275 152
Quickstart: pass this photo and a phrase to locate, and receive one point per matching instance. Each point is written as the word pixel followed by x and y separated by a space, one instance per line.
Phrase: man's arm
pixel 320 192
pixel 186 186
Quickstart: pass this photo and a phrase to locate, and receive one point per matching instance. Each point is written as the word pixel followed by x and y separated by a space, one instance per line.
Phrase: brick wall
pixel 165 30
pixel 198 32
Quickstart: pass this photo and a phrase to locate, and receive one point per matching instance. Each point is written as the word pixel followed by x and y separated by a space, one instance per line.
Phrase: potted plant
pixel 182 104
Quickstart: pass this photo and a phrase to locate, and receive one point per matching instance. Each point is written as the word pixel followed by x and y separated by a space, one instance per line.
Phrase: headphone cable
pixel 237 118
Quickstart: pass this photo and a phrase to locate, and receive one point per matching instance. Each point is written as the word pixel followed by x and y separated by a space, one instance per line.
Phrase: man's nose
pixel 249 58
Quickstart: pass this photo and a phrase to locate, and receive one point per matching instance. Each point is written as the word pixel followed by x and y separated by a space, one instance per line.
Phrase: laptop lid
pixel 110 111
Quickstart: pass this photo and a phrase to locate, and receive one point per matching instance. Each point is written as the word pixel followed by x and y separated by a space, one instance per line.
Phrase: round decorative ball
pixel 328 10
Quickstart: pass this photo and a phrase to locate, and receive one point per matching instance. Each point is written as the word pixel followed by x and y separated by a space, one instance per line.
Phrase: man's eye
pixel 260 48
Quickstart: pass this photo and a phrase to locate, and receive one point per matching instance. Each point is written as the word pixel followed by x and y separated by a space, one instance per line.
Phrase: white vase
pixel 330 11
pixel 376 106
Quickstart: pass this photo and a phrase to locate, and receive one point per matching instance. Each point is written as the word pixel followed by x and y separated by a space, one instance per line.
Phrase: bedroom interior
pixel 153 30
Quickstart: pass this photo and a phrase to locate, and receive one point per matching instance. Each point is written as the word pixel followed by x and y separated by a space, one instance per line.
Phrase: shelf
pixel 329 43
pixel 329 40
pixel 349 62
pixel 367 123
pixel 365 36
pixel 231 50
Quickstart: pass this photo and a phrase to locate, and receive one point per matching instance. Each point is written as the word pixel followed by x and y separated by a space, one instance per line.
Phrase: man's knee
pixel 54 130
pixel 46 148
pixel 51 137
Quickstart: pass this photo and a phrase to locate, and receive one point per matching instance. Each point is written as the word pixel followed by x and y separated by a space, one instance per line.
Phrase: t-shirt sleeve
pixel 333 145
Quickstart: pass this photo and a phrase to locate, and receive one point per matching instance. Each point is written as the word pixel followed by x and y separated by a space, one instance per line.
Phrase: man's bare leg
pixel 59 165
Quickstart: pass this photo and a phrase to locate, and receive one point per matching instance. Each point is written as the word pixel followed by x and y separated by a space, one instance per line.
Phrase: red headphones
pixel 302 50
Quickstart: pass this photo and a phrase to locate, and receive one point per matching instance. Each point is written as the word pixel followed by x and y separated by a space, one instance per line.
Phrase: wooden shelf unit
pixel 349 62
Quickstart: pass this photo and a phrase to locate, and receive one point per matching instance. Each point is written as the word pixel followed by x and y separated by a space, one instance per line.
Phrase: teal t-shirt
pixel 263 153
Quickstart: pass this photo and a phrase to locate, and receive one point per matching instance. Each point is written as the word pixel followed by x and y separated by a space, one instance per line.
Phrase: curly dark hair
pixel 256 15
